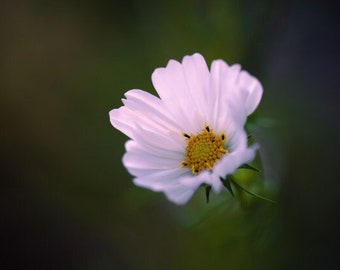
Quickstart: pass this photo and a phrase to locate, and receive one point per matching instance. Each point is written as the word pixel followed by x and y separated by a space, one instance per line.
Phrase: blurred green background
pixel 67 201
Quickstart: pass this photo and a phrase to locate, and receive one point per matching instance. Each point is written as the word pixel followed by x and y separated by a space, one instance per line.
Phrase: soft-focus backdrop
pixel 66 200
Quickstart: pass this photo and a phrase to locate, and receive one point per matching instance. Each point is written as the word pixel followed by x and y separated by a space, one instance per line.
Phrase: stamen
pixel 203 150
pixel 186 135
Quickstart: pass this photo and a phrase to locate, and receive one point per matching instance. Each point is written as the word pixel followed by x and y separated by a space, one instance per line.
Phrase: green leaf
pixel 207 192
pixel 232 179
pixel 248 167
pixel 250 139
pixel 226 183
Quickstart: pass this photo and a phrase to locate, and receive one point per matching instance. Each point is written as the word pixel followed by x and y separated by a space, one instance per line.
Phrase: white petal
pixel 238 92
pixel 151 109
pixel 238 152
pixel 251 89
pixel 167 181
pixel 192 181
pixel 224 81
pixel 179 194
pixel 121 120
pixel 215 182
pixel 142 148
pixel 236 138
pixel 145 110
pixel 204 177
pixel 197 78
pixel 176 85
pixel 160 180
pixel 141 161
pixel 232 161
pixel 165 141
pixel 170 84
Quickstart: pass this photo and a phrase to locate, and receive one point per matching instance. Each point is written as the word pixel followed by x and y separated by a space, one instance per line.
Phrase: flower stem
pixel 232 179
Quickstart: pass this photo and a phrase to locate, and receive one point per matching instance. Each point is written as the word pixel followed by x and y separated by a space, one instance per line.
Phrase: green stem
pixel 232 179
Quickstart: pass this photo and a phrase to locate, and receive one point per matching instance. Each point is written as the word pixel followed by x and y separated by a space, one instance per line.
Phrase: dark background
pixel 66 200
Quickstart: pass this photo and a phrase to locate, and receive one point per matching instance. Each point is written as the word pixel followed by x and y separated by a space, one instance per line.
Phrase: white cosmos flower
pixel 194 133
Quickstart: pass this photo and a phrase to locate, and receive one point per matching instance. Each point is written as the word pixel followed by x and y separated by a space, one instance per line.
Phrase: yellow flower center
pixel 203 150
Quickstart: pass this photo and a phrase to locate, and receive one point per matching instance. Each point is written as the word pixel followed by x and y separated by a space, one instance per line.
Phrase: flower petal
pixel 143 148
pixel 167 182
pixel 150 108
pixel 197 78
pixel 160 180
pixel 147 161
pixel 141 161
pixel 205 177
pixel 167 141
pixel 179 194
pixel 231 162
pixel 224 80
pixel 143 109
pixel 182 87
pixel 236 89
pixel 121 120
pixel 251 89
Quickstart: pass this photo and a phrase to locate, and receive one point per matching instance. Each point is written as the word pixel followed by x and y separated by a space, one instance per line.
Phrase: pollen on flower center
pixel 203 150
